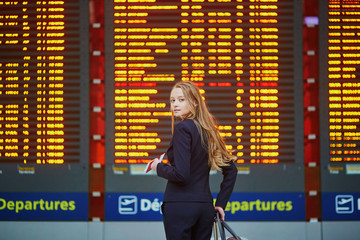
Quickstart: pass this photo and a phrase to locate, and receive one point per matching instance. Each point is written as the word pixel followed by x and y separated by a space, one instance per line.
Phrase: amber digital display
pixel 343 80
pixel 39 82
pixel 240 53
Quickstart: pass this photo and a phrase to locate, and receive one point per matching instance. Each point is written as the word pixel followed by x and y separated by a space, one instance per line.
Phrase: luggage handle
pixel 222 225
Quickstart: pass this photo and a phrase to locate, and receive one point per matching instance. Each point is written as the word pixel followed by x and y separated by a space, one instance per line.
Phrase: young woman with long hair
pixel 196 148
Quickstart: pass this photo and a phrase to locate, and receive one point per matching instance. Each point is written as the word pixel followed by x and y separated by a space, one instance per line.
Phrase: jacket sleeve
pixel 179 171
pixel 227 185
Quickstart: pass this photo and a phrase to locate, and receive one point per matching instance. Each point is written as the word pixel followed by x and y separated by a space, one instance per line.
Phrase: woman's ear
pixel 196 103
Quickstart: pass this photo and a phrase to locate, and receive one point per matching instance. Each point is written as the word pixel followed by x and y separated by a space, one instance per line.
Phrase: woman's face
pixel 179 104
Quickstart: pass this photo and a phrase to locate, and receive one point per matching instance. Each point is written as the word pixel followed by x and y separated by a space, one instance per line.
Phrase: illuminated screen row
pixel 243 56
pixel 39 82
pixel 343 82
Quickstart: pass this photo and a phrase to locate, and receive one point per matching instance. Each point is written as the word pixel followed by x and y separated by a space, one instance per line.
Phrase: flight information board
pixel 244 55
pixel 43 89
pixel 339 95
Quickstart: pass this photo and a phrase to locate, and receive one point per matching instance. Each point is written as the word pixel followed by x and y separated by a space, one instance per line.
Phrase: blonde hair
pixel 206 124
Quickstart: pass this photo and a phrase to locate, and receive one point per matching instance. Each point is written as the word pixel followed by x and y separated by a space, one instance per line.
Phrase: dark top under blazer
pixel 188 171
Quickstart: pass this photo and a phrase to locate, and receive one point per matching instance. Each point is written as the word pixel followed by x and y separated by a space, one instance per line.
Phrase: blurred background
pixel 84 89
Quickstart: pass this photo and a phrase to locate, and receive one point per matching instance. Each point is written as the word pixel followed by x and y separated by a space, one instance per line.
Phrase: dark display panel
pixel 244 55
pixel 43 92
pixel 339 95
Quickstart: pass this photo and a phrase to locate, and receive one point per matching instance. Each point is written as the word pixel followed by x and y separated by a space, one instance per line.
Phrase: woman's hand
pixel 154 164
pixel 221 212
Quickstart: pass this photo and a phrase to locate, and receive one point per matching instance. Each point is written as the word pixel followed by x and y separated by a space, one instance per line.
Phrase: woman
pixel 196 147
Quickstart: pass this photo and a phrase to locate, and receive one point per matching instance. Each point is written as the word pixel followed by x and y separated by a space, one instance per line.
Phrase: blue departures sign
pixel 241 206
pixel 266 207
pixel 44 206
pixel 341 206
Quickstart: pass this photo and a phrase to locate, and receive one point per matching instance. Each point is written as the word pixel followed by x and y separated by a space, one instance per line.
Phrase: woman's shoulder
pixel 188 124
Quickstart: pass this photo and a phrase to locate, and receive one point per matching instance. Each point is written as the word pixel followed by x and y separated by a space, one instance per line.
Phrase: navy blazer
pixel 188 169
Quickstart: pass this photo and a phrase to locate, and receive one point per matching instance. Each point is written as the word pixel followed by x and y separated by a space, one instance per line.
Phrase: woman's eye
pixel 181 99
pixel 172 100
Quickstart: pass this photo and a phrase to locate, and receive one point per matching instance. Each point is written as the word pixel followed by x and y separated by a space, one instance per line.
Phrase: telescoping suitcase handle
pixel 222 226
